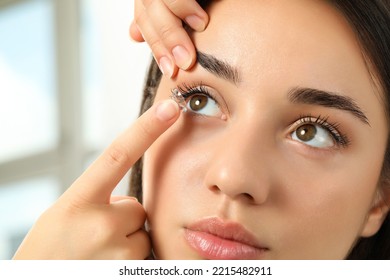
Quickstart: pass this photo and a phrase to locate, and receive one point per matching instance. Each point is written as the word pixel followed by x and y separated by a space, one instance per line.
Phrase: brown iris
pixel 306 132
pixel 198 102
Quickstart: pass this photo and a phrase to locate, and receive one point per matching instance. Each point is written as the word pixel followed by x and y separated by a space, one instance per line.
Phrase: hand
pixel 86 222
pixel 159 23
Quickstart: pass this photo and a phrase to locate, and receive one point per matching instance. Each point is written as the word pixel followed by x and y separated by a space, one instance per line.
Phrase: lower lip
pixel 212 247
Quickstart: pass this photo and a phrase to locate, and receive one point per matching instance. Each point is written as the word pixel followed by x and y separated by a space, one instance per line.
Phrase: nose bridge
pixel 240 167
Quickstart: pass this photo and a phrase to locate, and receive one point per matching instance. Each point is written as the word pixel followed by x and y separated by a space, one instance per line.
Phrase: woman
pixel 225 176
pixel 281 153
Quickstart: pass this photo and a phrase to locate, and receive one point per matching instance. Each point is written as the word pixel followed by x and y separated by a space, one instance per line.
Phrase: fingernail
pixel 182 57
pixel 195 22
pixel 166 66
pixel 167 110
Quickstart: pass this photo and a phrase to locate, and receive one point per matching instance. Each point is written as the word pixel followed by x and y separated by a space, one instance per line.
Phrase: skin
pixel 299 201
pixel 86 222
pixel 169 42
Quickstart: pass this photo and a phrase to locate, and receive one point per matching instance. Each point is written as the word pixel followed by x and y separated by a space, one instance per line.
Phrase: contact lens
pixel 179 99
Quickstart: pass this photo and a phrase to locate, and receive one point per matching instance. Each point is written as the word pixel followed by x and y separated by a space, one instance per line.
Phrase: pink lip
pixel 215 239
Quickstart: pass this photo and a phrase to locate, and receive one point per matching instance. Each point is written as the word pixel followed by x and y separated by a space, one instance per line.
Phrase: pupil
pixel 198 102
pixel 306 132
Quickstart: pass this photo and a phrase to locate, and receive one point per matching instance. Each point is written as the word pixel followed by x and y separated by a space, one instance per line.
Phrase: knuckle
pixel 167 31
pixel 117 156
pixel 155 45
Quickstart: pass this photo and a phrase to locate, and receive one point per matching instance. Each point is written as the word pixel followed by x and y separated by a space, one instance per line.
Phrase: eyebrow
pixel 218 67
pixel 327 99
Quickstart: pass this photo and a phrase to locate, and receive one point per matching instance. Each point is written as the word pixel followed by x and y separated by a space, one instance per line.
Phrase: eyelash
pixel 191 90
pixel 340 139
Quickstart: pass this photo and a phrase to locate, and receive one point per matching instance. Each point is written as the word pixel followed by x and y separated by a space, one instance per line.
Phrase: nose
pixel 241 167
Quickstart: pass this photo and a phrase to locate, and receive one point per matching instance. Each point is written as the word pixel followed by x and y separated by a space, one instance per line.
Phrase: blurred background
pixel 70 82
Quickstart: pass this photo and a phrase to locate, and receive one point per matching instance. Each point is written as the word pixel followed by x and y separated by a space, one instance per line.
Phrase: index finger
pixel 98 181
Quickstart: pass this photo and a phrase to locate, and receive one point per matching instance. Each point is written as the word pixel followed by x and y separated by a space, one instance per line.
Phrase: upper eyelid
pixel 319 120
pixel 185 89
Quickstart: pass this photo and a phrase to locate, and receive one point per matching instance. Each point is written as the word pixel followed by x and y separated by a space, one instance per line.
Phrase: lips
pixel 215 239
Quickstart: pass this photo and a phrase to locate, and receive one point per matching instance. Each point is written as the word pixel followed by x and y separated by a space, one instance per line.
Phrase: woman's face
pixel 279 153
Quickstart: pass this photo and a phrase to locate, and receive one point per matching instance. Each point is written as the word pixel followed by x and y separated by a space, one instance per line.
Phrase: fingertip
pixel 166 66
pixel 193 60
pixel 206 18
pixel 203 16
pixel 196 23
pixel 182 56
pixel 167 110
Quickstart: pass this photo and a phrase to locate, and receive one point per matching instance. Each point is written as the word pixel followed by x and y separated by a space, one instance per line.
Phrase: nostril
pixel 248 196
pixel 244 196
pixel 214 189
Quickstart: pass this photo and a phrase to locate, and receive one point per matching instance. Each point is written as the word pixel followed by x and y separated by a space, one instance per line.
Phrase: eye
pixel 198 100
pixel 318 133
pixel 204 105
pixel 313 135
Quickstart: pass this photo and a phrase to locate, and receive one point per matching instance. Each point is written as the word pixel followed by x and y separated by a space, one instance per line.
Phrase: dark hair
pixel 370 21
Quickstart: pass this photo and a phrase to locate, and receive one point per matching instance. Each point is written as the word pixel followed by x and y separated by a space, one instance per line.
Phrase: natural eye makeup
pixel 179 99
pixel 318 132
pixel 197 100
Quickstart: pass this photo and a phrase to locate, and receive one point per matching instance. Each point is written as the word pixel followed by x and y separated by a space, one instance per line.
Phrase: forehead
pixel 283 44
pixel 277 35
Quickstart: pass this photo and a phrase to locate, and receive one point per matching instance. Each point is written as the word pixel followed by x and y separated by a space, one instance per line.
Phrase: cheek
pixel 175 164
pixel 322 207
pixel 173 173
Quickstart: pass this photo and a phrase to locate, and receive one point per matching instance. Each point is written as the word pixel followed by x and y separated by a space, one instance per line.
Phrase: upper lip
pixel 229 230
